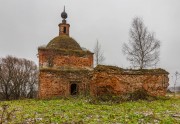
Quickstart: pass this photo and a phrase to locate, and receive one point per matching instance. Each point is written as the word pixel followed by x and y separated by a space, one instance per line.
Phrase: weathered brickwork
pixel 55 59
pixel 64 73
pixel 154 82
pixel 58 83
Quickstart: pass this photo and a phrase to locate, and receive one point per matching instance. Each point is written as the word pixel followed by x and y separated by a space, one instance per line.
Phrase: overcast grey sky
pixel 27 24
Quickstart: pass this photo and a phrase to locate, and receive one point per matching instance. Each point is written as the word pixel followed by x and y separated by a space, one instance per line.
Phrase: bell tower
pixel 64 27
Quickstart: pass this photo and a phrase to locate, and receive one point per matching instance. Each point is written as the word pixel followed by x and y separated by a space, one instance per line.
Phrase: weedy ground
pixel 83 111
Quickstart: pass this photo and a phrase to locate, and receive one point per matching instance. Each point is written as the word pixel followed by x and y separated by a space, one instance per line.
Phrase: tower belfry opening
pixel 64 30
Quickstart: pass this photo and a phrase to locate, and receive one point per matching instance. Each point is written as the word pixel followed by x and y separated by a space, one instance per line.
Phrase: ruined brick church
pixel 66 69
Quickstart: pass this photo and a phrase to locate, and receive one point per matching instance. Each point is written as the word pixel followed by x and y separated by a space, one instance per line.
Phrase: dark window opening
pixel 74 89
pixel 64 31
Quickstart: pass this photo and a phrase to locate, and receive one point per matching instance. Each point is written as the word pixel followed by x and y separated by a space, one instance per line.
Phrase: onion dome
pixel 64 14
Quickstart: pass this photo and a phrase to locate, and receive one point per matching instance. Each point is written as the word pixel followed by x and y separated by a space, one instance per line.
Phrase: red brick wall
pixel 50 86
pixel 58 60
pixel 57 83
pixel 154 84
pixel 73 61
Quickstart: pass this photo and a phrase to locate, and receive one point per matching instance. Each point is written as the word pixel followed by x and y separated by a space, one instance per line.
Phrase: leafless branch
pixel 143 48
pixel 18 77
pixel 98 54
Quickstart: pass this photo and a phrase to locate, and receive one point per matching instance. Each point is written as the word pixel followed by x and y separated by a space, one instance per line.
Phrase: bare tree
pixel 18 77
pixel 6 76
pixel 177 76
pixel 98 54
pixel 143 48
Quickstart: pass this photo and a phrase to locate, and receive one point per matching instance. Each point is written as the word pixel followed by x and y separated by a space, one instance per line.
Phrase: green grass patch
pixel 82 111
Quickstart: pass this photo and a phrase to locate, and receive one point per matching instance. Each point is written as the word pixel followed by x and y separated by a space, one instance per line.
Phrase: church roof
pixel 63 42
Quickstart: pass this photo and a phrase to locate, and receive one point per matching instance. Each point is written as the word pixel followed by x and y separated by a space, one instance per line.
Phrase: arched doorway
pixel 74 89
